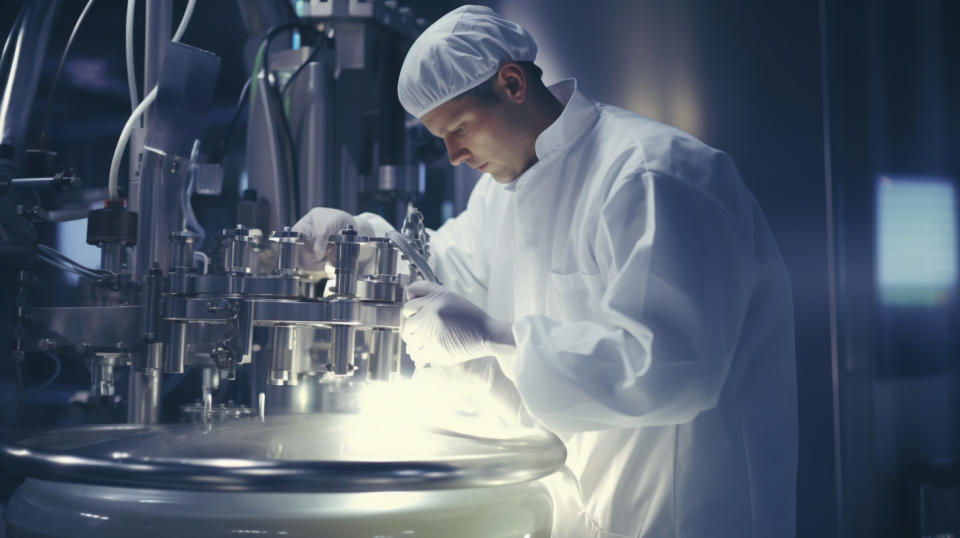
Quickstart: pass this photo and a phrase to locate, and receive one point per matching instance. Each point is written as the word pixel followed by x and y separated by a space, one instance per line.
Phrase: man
pixel 624 279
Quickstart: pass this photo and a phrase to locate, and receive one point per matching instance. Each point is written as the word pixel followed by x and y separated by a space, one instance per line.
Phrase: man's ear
pixel 512 83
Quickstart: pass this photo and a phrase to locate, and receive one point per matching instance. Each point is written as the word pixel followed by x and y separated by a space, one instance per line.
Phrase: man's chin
pixel 502 178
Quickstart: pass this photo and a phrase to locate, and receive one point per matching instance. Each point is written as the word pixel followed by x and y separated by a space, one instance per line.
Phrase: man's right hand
pixel 318 225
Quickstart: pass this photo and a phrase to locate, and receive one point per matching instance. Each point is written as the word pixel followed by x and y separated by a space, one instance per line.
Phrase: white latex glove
pixel 318 225
pixel 442 327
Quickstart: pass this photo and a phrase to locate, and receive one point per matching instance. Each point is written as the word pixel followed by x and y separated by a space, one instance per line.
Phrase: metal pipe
pixel 181 251
pixel 112 257
pixel 283 369
pixel 160 180
pixel 176 354
pixel 342 348
pixel 241 243
pixel 384 354
pixel 150 301
pixel 348 257
pixel 159 30
pixel 143 196
pixel 386 256
pixel 143 396
pixel 289 243
pixel 45 183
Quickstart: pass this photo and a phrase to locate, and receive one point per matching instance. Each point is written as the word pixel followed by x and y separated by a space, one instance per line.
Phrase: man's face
pixel 485 136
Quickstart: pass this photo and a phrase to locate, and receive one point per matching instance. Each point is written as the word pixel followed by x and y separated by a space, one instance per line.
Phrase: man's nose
pixel 457 153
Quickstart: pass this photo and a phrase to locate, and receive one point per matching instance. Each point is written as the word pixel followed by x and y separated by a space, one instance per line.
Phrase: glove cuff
pixel 501 344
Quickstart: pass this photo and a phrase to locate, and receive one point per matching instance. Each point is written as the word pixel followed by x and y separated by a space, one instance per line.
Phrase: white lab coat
pixel 653 319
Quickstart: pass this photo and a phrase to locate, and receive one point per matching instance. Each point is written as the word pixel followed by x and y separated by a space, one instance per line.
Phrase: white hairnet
pixel 457 53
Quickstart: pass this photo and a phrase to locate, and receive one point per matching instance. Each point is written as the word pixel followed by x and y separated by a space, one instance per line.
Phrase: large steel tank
pixel 338 475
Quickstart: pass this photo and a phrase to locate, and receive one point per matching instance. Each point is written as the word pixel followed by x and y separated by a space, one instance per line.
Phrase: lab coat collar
pixel 579 114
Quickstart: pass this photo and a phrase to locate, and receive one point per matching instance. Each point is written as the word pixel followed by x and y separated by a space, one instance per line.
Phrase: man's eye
pixel 460 130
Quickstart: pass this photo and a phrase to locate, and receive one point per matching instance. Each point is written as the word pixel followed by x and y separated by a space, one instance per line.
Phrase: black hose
pixel 21 395
pixel 241 103
pixel 313 56
pixel 275 95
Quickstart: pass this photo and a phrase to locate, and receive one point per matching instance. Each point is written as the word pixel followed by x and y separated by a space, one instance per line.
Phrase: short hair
pixel 484 92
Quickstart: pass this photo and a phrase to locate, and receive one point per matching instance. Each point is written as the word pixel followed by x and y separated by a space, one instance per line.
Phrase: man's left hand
pixel 444 328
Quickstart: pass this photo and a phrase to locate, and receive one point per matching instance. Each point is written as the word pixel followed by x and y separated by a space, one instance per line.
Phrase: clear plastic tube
pixel 189 217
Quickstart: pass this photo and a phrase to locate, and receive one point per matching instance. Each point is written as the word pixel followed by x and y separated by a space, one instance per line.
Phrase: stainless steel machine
pixel 324 128
pixel 320 433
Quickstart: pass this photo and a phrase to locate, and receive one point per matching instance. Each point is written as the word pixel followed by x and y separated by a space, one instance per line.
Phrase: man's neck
pixel 547 110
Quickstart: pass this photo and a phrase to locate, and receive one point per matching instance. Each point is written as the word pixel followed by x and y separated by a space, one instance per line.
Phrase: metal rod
pixel 112 257
pixel 143 405
pixel 342 348
pixel 283 370
pixel 384 354
pixel 176 348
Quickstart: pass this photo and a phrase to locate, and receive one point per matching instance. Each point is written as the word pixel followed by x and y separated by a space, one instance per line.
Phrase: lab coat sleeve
pixel 458 249
pixel 661 319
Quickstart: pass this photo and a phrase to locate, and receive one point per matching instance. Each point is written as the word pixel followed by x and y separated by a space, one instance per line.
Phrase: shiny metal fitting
pixel 241 241
pixel 289 242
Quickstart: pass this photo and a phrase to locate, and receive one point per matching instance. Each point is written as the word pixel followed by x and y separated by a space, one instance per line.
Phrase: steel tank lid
pixel 294 453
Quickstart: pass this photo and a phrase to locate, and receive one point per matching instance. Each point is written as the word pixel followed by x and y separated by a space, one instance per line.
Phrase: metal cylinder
pixel 289 242
pixel 283 370
pixel 150 299
pixel 181 251
pixel 161 179
pixel 240 243
pixel 347 245
pixel 143 396
pixel 386 256
pixel 102 368
pixel 101 380
pixel 176 348
pixel 384 355
pixel 342 347
pixel 112 257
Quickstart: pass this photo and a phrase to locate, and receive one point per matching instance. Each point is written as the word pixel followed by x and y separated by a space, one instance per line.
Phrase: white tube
pixel 131 69
pixel 122 143
pixel 112 180
pixel 185 20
